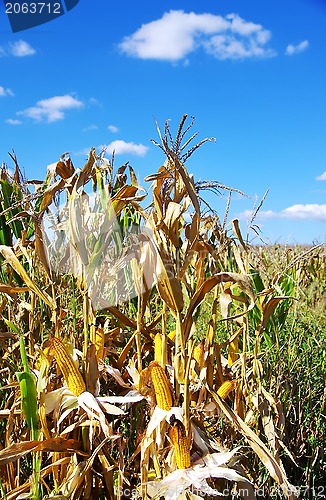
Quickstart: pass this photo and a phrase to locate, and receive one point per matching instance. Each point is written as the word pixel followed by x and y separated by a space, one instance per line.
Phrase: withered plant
pixel 134 340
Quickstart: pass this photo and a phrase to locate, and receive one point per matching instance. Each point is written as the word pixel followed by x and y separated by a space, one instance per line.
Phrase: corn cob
pixel 162 386
pixel 158 348
pixel 69 370
pixel 144 382
pixel 233 351
pixel 181 445
pixel 172 335
pixel 199 353
pixel 99 343
pixel 225 389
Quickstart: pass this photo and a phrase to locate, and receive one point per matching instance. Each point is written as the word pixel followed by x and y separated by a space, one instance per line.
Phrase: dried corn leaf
pixel 11 258
pixel 40 248
pixel 225 303
pixel 10 290
pixel 49 193
pixel 65 168
pixel 275 469
pixel 18 450
pixel 123 197
pixel 269 308
pixel 186 179
pixel 237 232
pixel 242 280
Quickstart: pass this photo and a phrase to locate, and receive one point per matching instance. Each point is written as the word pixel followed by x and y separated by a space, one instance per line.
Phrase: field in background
pixel 197 367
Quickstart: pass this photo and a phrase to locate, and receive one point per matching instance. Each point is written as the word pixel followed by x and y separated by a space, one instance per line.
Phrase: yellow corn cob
pixel 158 348
pixel 225 389
pixel 47 351
pixel 172 335
pixel 144 382
pixel 162 386
pixel 181 445
pixel 233 351
pixel 69 370
pixel 99 343
pixel 198 353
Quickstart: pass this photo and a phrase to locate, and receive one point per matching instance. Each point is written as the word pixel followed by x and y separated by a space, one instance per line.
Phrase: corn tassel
pixel 69 370
pixel 225 389
pixel 162 386
pixel 181 445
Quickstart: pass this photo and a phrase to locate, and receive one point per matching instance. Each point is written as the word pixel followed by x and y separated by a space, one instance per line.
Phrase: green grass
pixel 299 367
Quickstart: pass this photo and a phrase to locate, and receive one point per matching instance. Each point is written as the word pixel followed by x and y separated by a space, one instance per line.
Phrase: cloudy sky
pixel 252 73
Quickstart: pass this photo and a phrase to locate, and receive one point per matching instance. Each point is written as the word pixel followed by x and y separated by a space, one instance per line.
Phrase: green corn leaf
pixel 28 392
pixel 11 193
pixel 29 401
pixel 11 326
pixel 258 282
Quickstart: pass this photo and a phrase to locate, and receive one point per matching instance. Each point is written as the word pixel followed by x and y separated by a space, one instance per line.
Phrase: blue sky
pixel 253 74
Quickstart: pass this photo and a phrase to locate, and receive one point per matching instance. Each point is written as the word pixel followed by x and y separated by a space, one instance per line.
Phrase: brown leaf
pixel 187 180
pixel 92 373
pixel 124 196
pixel 275 469
pixel 11 258
pixel 241 279
pixel 65 169
pixel 171 292
pixel 269 308
pixel 129 322
pixel 237 232
pixel 133 177
pixel 40 249
pixel 87 169
pixel 10 290
pixel 48 194
pixel 194 229
pixel 8 335
pixel 162 173
pixel 18 450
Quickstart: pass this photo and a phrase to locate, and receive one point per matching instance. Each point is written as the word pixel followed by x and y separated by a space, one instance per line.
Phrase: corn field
pixel 147 349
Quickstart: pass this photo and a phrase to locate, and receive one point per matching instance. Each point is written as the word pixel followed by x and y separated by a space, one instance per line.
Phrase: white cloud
pixel 177 33
pixel 21 49
pixel 309 211
pixel 321 177
pixel 5 92
pixel 51 109
pixel 119 147
pixel 296 49
pixel 262 214
pixel 113 129
pixel 122 147
pixel 90 127
pixel 12 121
pixel 95 102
